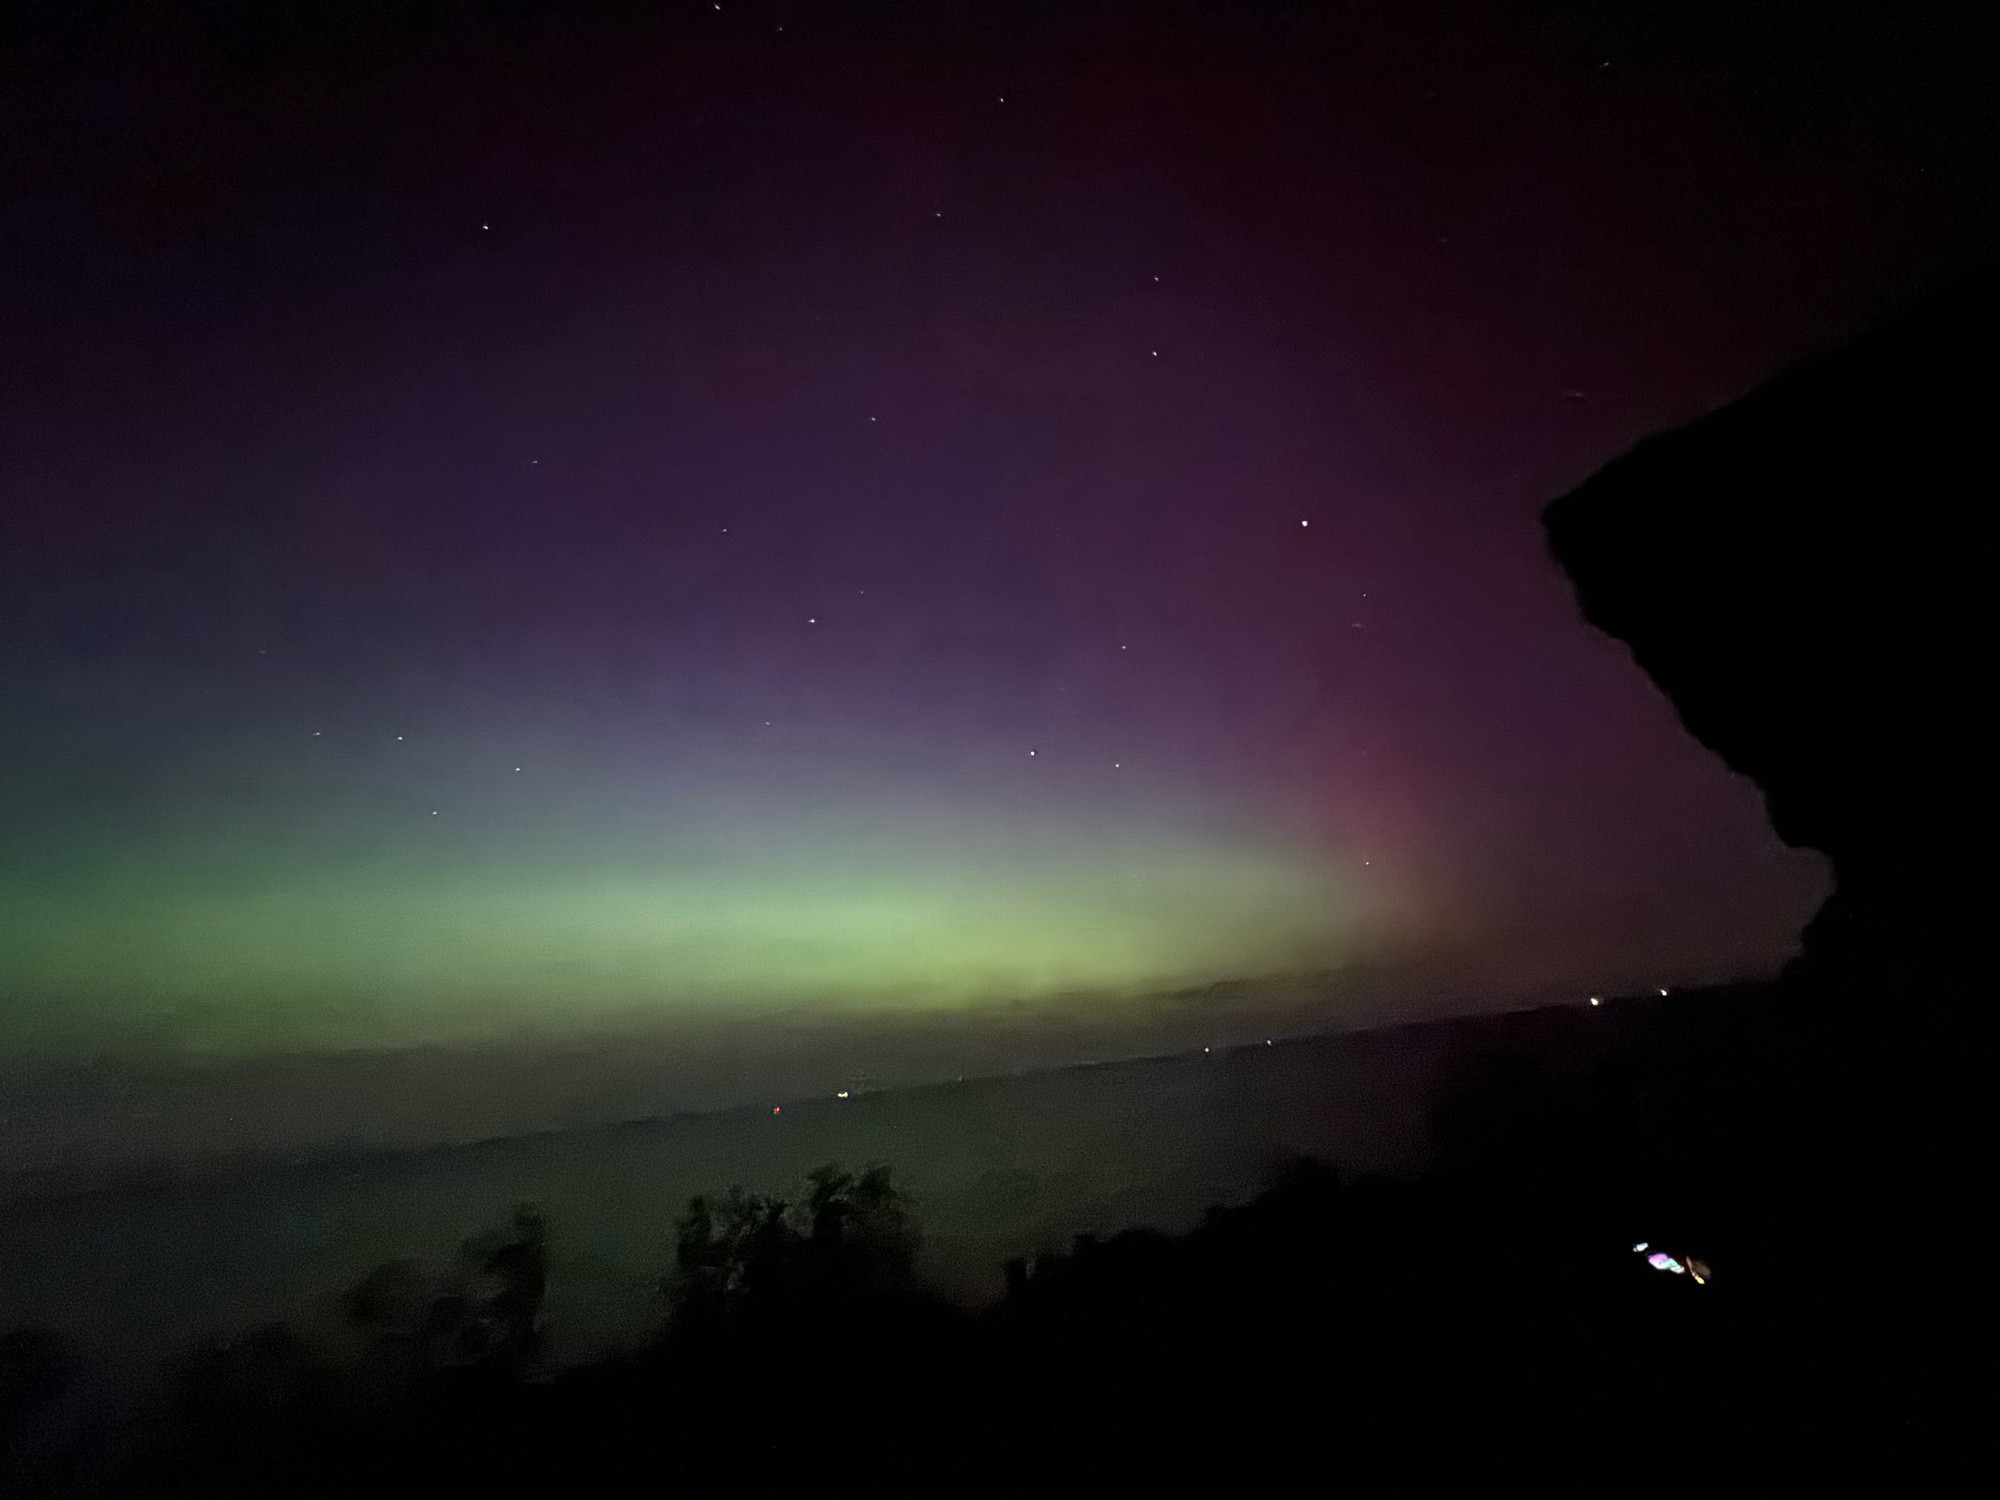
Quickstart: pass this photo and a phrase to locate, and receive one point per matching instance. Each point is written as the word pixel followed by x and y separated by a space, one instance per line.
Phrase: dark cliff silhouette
pixel 1808 574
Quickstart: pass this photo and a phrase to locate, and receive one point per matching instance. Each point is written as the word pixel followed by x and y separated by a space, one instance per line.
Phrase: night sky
pixel 532 522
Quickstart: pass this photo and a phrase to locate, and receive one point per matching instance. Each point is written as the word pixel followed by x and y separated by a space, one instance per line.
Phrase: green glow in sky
pixel 177 955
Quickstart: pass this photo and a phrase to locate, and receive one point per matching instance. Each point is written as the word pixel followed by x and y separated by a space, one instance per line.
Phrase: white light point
pixel 1663 989
pixel 841 1095
pixel 1596 1000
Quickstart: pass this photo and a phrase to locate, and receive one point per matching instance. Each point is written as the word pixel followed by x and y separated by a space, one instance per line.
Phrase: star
pixel 813 621
pixel 1031 754
pixel 1305 523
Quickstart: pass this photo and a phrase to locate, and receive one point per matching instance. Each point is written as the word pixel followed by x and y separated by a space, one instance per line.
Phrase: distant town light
pixel 777 1109
pixel 1659 1260
pixel 1640 1248
pixel 1596 1000
pixel 841 1095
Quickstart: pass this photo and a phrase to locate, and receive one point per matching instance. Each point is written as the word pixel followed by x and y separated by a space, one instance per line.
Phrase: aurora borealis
pixel 551 523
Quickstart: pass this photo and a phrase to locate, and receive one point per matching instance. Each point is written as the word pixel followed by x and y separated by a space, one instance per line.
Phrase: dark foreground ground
pixel 1486 1321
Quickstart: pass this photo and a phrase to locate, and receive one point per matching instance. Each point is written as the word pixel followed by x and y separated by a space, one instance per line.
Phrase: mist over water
pixel 998 1167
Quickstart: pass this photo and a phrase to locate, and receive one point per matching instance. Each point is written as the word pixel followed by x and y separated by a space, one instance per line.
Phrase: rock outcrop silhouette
pixel 1808 574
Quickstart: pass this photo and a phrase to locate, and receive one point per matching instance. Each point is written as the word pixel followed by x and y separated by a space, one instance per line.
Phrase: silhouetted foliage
pixel 1478 1324
pixel 507 1275
pixel 839 1253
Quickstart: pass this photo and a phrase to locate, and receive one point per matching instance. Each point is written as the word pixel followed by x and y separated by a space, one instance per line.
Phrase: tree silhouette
pixel 486 1309
pixel 510 1277
pixel 845 1237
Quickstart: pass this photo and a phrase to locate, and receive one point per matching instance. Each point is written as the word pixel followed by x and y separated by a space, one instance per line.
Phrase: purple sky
pixel 766 426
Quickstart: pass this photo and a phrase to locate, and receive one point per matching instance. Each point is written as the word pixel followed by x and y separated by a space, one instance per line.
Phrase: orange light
pixel 777 1109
